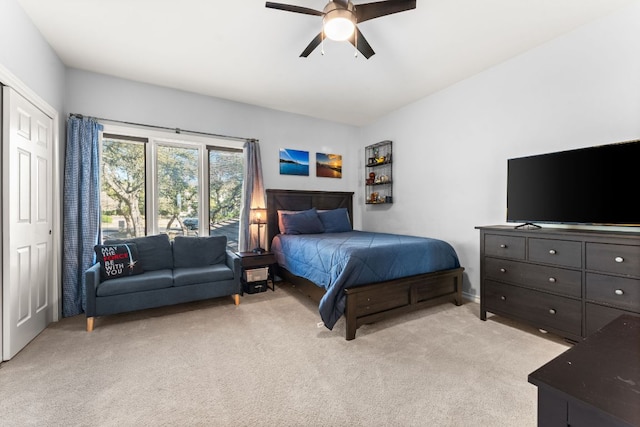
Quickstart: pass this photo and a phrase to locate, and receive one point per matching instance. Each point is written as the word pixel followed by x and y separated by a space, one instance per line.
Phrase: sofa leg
pixel 90 324
pixel 236 299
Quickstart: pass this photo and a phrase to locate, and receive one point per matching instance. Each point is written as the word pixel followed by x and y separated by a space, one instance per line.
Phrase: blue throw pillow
pixel 303 222
pixel 199 251
pixel 118 260
pixel 335 220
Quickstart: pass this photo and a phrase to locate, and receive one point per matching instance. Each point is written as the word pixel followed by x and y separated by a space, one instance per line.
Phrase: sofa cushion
pixel 154 251
pixel 199 251
pixel 151 280
pixel 193 275
pixel 118 260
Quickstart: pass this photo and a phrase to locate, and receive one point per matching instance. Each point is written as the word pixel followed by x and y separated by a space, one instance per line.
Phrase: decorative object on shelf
pixel 294 162
pixel 379 172
pixel 328 165
pixel 259 217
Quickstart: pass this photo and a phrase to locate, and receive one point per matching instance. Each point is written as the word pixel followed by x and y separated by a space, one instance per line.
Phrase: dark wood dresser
pixel 595 383
pixel 566 281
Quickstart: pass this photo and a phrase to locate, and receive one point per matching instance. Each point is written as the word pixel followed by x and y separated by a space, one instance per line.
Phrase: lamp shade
pixel 339 23
pixel 258 216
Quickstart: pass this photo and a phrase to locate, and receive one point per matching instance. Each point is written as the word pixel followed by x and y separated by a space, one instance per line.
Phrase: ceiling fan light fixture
pixel 339 24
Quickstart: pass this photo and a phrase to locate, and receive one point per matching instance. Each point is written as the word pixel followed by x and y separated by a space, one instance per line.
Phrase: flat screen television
pixel 591 186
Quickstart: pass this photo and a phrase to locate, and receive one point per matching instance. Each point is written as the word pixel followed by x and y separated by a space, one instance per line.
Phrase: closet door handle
pixel 503 246
pixel 552 279
pixel 503 298
pixel 502 270
pixel 619 259
pixel 619 292
pixel 552 311
pixel 552 251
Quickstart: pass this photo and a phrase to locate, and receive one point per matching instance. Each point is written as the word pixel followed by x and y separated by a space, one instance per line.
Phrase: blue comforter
pixel 336 261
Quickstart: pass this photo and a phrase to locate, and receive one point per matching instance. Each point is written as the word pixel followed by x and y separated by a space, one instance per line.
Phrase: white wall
pixel 117 99
pixel 451 148
pixel 25 53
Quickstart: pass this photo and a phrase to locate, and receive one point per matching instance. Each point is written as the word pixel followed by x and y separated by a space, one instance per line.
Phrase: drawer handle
pixel 552 279
pixel 619 292
pixel 503 246
pixel 552 311
pixel 619 259
pixel 502 270
pixel 503 298
pixel 552 251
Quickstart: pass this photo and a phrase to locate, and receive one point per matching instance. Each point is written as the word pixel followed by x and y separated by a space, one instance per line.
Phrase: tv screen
pixel 596 185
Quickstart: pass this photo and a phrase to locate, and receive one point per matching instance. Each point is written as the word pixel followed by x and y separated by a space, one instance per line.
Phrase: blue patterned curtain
pixel 253 195
pixel 81 210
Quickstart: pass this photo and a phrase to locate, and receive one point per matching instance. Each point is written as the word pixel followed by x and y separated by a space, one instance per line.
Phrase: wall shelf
pixel 378 173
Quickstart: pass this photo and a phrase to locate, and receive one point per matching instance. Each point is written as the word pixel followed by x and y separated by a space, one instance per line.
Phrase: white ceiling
pixel 242 51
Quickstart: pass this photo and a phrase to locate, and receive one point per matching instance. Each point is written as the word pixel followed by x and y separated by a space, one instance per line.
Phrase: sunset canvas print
pixel 328 165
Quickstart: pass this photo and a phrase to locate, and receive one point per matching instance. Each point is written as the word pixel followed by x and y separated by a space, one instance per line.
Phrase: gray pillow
pixel 199 251
pixel 154 252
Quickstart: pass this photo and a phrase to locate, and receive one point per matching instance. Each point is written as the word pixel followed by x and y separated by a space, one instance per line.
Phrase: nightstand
pixel 257 271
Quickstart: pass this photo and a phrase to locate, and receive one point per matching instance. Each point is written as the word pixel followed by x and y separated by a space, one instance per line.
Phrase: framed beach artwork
pixel 294 162
pixel 329 165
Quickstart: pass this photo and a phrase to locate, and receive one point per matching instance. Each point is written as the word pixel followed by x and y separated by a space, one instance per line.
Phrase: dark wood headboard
pixel 299 200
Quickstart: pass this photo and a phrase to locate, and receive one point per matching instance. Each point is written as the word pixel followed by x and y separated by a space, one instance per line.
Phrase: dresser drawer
pixel 616 291
pixel 598 316
pixel 557 252
pixel 540 309
pixel 619 259
pixel 504 246
pixel 551 279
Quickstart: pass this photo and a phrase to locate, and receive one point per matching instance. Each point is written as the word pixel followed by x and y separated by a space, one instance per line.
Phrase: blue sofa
pixel 166 273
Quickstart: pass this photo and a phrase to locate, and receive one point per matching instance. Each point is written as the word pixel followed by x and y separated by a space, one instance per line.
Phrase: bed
pixel 360 302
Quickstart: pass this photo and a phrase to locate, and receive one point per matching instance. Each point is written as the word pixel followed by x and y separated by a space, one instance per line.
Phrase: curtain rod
pixel 176 130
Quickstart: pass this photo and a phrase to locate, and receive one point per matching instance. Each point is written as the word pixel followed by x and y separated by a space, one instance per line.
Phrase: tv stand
pixel 527 226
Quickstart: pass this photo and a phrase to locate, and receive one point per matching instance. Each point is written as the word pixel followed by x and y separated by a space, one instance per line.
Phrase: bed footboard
pixel 378 301
pixel 371 303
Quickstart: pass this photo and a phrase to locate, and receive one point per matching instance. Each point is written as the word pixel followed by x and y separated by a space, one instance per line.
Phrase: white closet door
pixel 27 210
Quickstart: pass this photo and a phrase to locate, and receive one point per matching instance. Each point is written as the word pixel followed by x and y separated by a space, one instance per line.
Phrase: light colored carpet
pixel 266 363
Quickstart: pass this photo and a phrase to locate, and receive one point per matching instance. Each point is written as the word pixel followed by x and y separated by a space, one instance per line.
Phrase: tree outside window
pixel 122 196
pixel 172 175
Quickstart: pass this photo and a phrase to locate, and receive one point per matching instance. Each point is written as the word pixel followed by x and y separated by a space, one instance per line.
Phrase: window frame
pixel 157 138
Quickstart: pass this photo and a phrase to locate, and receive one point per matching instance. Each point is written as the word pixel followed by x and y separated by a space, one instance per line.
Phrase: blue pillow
pixel 335 220
pixel 303 222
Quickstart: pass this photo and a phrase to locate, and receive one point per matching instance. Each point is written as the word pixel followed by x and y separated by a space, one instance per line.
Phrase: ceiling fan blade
pixel 367 11
pixel 362 44
pixel 291 8
pixel 314 44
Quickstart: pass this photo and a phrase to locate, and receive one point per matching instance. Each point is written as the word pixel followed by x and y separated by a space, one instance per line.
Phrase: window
pixel 122 195
pixel 154 183
pixel 225 193
pixel 178 195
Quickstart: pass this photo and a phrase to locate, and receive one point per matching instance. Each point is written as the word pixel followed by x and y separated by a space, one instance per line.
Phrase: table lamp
pixel 258 216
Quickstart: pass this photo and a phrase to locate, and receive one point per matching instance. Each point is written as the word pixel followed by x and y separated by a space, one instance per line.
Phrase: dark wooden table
pixel 594 383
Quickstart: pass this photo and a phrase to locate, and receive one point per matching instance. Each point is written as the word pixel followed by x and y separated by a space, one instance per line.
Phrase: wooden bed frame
pixel 365 303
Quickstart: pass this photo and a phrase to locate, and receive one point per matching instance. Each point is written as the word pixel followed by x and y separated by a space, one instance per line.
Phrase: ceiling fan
pixel 340 19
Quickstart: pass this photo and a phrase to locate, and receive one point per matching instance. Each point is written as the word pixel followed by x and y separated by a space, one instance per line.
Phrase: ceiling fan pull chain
pixel 355 55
